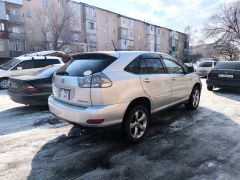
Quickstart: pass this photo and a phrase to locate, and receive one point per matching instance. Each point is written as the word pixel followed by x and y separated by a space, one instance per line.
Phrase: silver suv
pixel 108 88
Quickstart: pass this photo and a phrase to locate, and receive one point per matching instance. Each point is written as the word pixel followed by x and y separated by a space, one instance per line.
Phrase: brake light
pixel 95 121
pixel 98 80
pixel 29 89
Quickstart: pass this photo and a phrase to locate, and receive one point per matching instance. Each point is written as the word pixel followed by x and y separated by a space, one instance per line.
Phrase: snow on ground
pixel 203 144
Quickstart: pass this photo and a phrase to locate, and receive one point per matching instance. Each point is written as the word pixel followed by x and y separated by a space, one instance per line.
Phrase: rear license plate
pixel 225 75
pixel 13 85
pixel 64 93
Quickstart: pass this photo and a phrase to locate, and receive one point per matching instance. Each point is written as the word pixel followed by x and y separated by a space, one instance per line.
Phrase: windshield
pixel 47 72
pixel 228 66
pixel 9 64
pixel 205 64
pixel 82 63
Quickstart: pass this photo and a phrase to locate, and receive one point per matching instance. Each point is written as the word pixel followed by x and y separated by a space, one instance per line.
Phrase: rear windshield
pixel 86 62
pixel 47 72
pixel 205 64
pixel 228 66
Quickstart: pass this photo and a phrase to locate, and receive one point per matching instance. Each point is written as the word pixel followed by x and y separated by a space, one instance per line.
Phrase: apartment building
pixel 92 29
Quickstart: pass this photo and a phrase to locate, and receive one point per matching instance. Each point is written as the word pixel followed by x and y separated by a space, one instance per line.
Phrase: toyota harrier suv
pixel 107 88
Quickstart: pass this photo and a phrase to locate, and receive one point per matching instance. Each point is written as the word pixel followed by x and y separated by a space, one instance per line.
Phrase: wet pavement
pixel 203 144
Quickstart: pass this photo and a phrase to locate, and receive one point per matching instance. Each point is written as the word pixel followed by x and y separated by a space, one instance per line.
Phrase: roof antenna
pixel 115 49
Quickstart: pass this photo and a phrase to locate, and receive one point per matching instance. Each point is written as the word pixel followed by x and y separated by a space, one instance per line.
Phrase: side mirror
pixel 19 68
pixel 189 67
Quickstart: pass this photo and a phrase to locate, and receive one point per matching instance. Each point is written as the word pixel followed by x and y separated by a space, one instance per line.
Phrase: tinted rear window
pixel 205 64
pixel 88 62
pixel 228 66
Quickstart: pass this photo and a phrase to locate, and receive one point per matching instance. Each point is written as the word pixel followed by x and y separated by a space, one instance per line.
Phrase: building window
pixel 158 31
pixel 151 28
pixel 90 11
pixel 45 3
pixel 125 42
pixel 15 46
pixel 46 20
pixel 91 25
pixel 124 31
pixel 1 46
pixel 28 14
pixel 106 19
pixel 106 31
pixel 15 12
pixel 106 43
pixel 16 29
pixel 2 27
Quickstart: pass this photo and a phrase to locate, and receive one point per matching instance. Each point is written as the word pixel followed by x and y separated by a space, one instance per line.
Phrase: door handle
pixel 146 80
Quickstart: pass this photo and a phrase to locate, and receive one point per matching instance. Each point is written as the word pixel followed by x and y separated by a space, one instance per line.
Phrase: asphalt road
pixel 204 144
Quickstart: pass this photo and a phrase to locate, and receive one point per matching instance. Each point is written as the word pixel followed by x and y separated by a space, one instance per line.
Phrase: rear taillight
pixel 29 88
pixel 98 80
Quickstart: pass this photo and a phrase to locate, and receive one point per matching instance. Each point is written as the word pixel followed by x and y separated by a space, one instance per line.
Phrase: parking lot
pixel 203 144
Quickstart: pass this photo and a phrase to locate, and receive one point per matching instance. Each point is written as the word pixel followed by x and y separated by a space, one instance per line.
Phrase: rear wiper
pixel 63 73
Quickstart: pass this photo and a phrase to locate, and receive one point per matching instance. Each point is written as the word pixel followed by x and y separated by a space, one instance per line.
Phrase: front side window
pixel 205 64
pixel 173 67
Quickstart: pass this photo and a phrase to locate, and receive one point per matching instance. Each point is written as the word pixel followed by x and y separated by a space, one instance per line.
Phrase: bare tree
pixel 54 24
pixel 228 49
pixel 225 24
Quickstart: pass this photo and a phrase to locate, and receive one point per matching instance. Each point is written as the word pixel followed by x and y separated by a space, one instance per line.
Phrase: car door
pixel 180 82
pixel 23 68
pixel 155 80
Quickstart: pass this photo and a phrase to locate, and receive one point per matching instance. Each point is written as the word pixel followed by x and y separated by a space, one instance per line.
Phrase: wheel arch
pixel 139 101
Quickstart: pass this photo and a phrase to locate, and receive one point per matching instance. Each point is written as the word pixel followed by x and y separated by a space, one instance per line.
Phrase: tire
pixel 135 123
pixel 210 88
pixel 3 83
pixel 194 99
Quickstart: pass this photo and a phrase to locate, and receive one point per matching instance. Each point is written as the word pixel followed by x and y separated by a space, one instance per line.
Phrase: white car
pixel 204 67
pixel 24 65
pixel 108 88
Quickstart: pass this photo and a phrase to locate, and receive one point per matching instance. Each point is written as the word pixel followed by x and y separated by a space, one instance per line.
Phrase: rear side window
pixel 88 62
pixel 154 66
pixel 133 67
pixel 45 62
pixel 228 66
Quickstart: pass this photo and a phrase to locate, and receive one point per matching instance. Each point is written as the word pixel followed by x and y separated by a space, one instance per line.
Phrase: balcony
pixel 19 36
pixel 92 44
pixel 15 19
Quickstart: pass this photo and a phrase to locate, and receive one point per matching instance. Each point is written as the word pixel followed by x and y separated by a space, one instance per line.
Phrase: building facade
pixel 92 29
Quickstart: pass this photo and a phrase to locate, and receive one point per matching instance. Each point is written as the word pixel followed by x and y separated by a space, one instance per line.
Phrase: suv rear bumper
pixel 112 114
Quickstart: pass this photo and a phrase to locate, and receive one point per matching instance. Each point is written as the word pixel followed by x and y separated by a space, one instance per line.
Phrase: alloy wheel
pixel 138 124
pixel 195 98
pixel 4 84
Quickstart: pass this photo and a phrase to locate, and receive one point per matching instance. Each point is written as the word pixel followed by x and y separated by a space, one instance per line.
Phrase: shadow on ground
pixel 203 144
pixel 233 94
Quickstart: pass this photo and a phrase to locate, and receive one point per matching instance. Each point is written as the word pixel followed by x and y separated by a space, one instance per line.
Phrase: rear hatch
pixel 72 82
pixel 226 71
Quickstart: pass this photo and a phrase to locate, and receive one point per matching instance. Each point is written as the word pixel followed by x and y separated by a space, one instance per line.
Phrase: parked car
pixel 65 57
pixel 224 75
pixel 103 89
pixel 24 66
pixel 34 89
pixel 204 67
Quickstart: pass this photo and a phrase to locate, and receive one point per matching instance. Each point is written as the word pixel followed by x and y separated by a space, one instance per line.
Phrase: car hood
pixel 4 73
